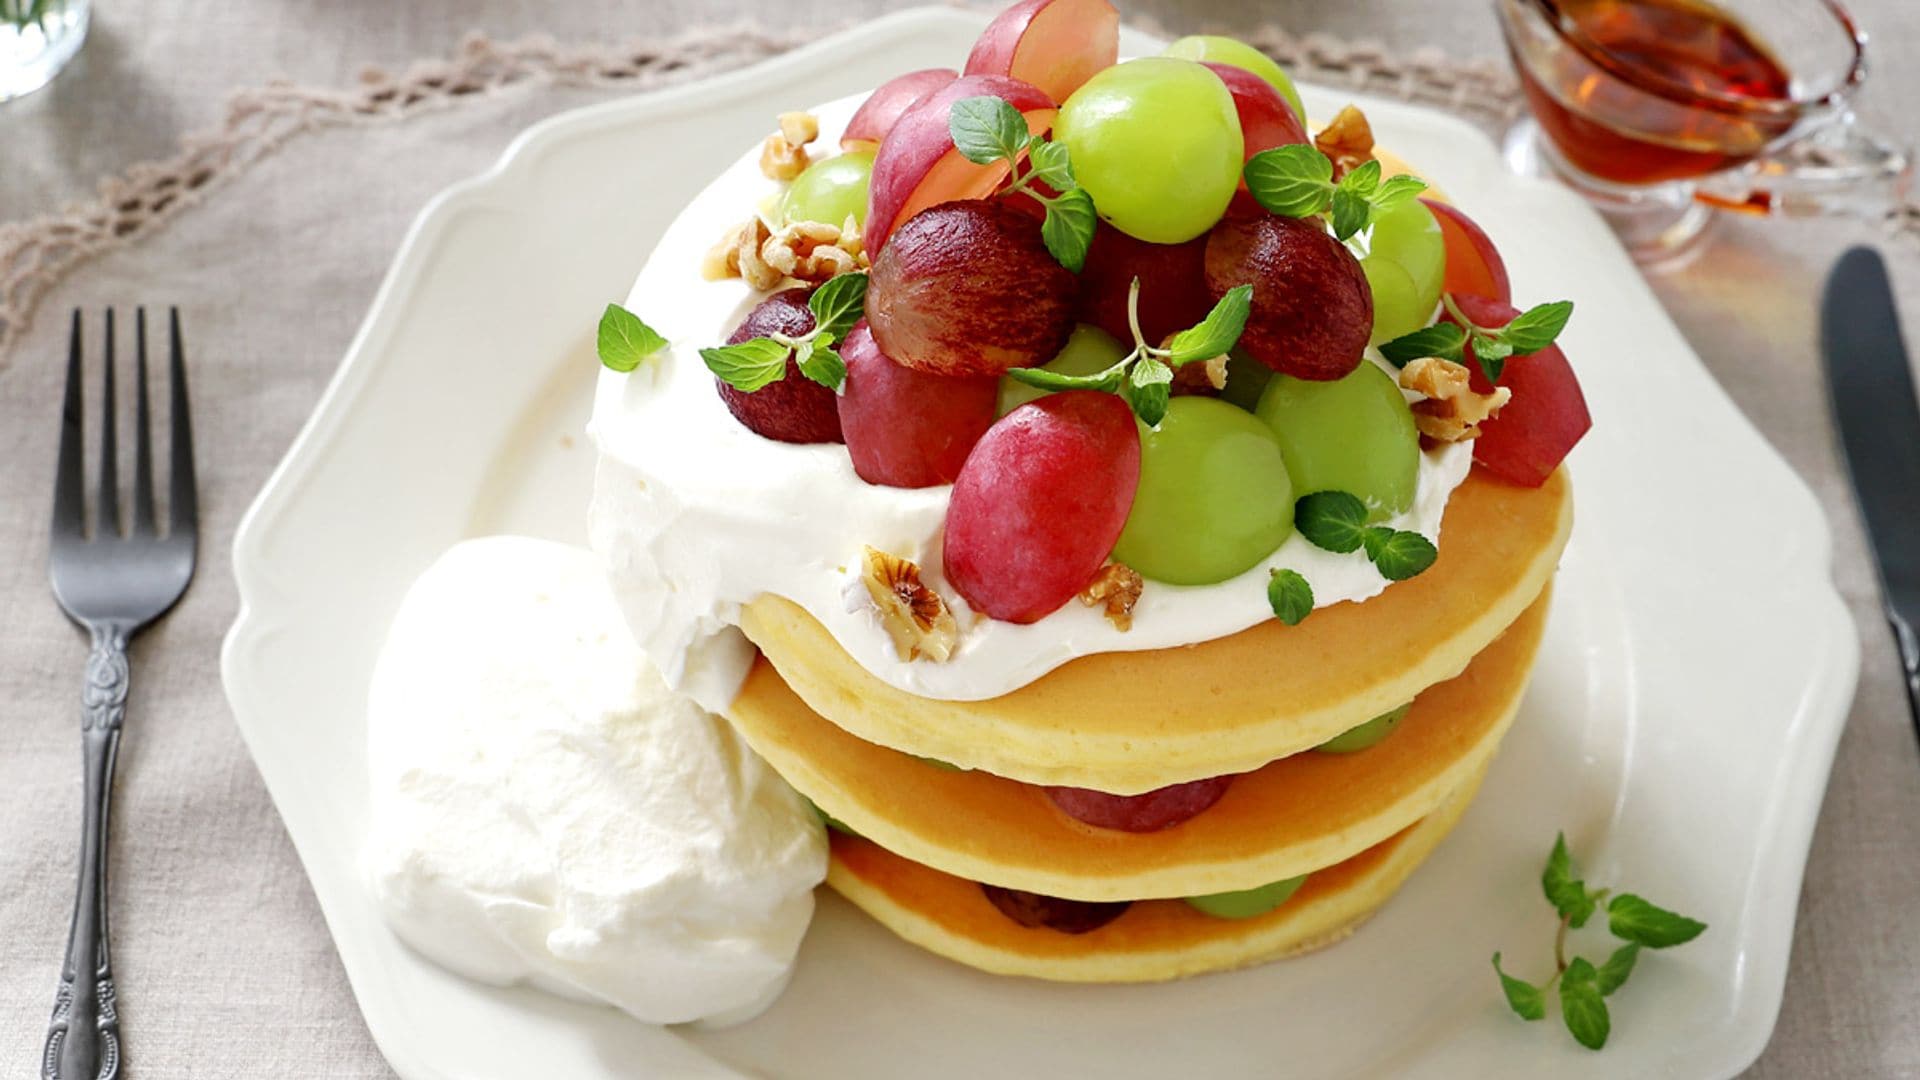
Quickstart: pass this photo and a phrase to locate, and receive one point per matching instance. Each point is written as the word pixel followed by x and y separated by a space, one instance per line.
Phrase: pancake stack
pixel 946 834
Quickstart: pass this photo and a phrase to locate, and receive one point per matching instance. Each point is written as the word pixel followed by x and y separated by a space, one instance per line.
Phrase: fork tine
pixel 69 480
pixel 106 519
pixel 143 519
pixel 186 507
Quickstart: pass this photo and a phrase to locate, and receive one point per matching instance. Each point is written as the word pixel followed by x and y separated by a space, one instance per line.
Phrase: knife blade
pixel 1874 407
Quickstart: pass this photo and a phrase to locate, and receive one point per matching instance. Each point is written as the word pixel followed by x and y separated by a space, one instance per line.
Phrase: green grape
pixel 1406 239
pixel 1364 735
pixel 1246 378
pixel 1089 351
pixel 830 189
pixel 1213 500
pixel 1215 49
pixel 1352 434
pixel 1156 142
pixel 1248 903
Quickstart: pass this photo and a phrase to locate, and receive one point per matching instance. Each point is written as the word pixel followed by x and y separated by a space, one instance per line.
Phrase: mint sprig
pixel 757 363
pixel 1145 376
pixel 1297 181
pixel 624 342
pixel 987 129
pixel 1583 987
pixel 1336 521
pixel 1529 332
pixel 1290 596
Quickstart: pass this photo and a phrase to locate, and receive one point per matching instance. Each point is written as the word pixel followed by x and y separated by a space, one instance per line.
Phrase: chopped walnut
pixel 1348 140
pixel 806 251
pixel 784 155
pixel 738 254
pixel 914 615
pixel 1452 410
pixel 1118 586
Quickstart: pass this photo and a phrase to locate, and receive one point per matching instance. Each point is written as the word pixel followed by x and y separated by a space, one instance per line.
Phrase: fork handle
pixel 83 1038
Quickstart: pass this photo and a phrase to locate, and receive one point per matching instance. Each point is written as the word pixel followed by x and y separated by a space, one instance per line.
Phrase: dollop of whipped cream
pixel 696 515
pixel 546 811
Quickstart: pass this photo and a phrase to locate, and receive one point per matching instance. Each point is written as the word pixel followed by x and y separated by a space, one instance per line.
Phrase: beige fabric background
pixel 225 967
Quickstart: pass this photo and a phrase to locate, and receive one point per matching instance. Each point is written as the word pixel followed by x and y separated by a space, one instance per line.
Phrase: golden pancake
pixel 1154 940
pixel 1287 818
pixel 1129 722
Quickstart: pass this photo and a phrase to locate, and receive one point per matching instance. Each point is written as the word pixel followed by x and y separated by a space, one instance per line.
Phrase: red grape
pixel 1067 916
pixel 1039 503
pixel 1547 415
pixel 795 409
pixel 1159 809
pixel 907 428
pixel 1312 307
pixel 1173 285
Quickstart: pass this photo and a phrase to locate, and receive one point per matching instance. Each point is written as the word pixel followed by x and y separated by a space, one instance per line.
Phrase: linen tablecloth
pixel 224 964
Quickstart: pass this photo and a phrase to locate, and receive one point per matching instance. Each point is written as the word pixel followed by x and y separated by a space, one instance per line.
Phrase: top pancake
pixel 1134 721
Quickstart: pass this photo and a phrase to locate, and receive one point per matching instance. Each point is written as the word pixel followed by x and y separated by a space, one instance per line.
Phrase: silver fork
pixel 113 583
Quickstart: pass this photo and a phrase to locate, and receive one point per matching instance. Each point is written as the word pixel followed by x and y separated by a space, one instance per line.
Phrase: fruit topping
pixel 784 155
pixel 831 190
pixel 1161 808
pixel 1347 140
pixel 877 114
pixel 1173 287
pixel 1214 496
pixel 1452 410
pixel 907 428
pixel 1247 903
pixel 1266 120
pixel 1547 415
pixel 1405 264
pixel 917 165
pixel 969 288
pixel 1215 49
pixel 1156 141
pixel 1353 434
pixel 1052 913
pixel 914 615
pixel 1361 736
pixel 1474 266
pixel 1039 503
pixel 1089 351
pixel 1312 308
pixel 791 408
pixel 1115 588
pixel 1054 44
pixel 990 132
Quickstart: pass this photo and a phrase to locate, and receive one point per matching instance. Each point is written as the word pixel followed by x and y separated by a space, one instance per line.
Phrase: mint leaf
pixel 748 366
pixel 1068 228
pixel 1618 966
pixel 1290 596
pixel 1109 381
pixel 1362 180
pixel 1491 353
pixel 1634 919
pixel 1403 555
pixel 1374 539
pixel 1216 333
pixel 1050 163
pixel 1561 883
pixel 1582 1006
pixel 1444 340
pixel 821 364
pixel 624 341
pixel 1149 388
pixel 1396 191
pixel 986 129
pixel 1292 181
pixel 1350 212
pixel 838 304
pixel 1535 328
pixel 1528 1001
pixel 1332 520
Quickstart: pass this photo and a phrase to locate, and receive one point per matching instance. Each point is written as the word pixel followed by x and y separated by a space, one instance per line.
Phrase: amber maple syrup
pixel 1691 90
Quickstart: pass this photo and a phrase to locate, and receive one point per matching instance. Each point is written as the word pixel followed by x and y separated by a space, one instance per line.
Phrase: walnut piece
pixel 1348 140
pixel 804 251
pixel 798 128
pixel 1118 586
pixel 914 615
pixel 784 155
pixel 1452 410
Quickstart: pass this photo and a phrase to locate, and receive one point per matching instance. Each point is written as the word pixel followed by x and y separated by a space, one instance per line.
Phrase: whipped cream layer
pixel 546 811
pixel 697 515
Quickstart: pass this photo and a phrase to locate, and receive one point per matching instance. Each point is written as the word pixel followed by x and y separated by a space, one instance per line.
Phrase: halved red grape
pixel 1546 416
pixel 1312 307
pixel 1052 913
pixel 1173 284
pixel 1039 503
pixel 1161 808
pixel 795 409
pixel 907 428
pixel 1474 266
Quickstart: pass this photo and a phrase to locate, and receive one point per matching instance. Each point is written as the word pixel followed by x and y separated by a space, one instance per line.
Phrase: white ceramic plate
pixel 1694 680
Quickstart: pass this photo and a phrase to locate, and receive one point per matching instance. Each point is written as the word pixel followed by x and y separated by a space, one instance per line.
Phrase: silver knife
pixel 1879 420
